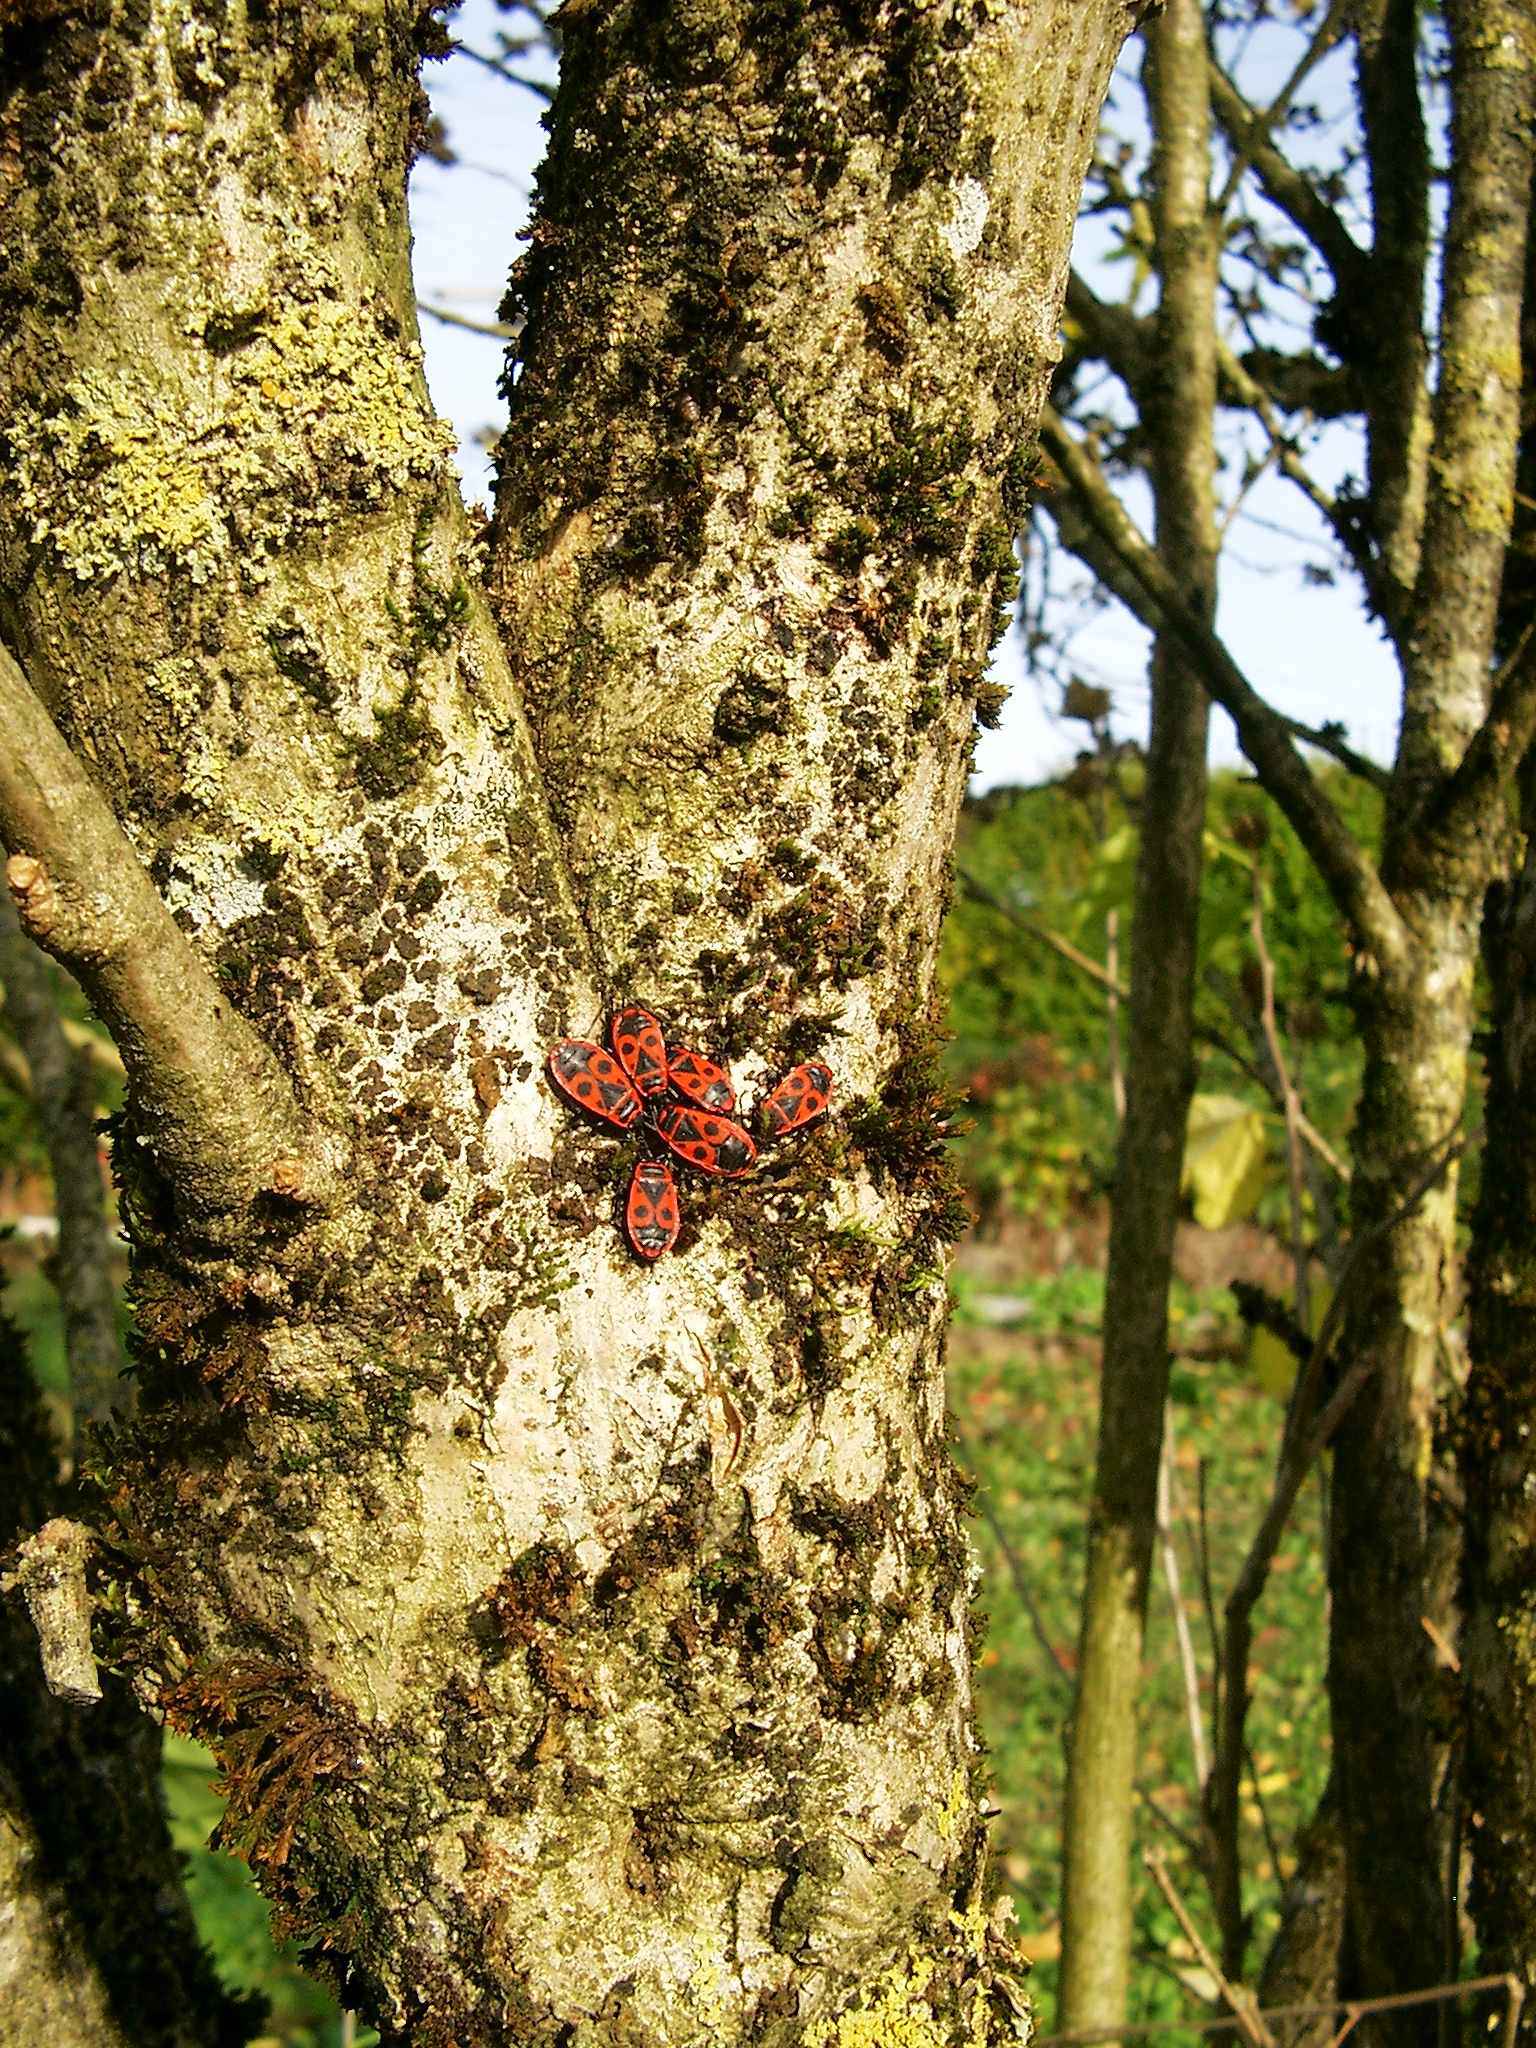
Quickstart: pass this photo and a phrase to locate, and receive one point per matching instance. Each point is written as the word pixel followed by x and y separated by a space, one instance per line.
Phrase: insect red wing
pixel 804 1094
pixel 591 1078
pixel 638 1040
pixel 651 1219
pixel 711 1143
pixel 701 1080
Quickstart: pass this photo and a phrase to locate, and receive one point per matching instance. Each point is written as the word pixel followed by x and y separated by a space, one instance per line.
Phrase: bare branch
pixel 1239 2001
pixel 1331 741
pixel 496 330
pixel 498 69
pixel 214 1106
pixel 1470 502
pixel 1379 587
pixel 1343 863
pixel 1285 186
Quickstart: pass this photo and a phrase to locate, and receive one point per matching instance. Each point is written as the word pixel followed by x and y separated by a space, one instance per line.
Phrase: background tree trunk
pixel 1179 408
pixel 583 1647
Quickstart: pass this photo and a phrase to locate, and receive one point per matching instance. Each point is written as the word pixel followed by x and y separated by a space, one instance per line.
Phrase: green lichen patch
pixel 306 408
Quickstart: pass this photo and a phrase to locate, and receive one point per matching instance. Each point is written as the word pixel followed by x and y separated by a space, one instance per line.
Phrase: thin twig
pixel 494 65
pixel 1261 1803
pixel 1112 1013
pixel 1207 1590
pixel 1074 955
pixel 1170 1557
pixel 1015 1564
pixel 1240 2001
pixel 1301 1254
pixel 1397 2001
pixel 496 331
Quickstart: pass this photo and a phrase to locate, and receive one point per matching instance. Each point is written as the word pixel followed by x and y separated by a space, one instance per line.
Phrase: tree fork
pixel 583 1648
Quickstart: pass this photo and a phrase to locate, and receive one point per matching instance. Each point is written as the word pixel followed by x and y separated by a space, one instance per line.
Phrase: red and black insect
pixel 700 1080
pixel 626 1088
pixel 804 1094
pixel 651 1216
pixel 642 1050
pixel 711 1143
pixel 593 1079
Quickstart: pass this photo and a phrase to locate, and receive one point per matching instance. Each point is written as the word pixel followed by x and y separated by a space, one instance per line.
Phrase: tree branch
pixel 216 1110
pixel 1381 330
pixel 1498 746
pixel 1343 863
pixel 1285 186
pixel 1379 588
pixel 1329 739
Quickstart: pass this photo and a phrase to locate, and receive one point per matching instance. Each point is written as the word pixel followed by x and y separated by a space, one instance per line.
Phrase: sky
pixel 1309 649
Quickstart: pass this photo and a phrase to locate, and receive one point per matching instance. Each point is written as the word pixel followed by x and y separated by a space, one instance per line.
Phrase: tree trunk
pixel 1392 1572
pixel 1180 411
pixel 1497 1465
pixel 583 1645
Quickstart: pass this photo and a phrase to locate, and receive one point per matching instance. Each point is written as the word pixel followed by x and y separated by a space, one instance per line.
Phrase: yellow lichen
pixel 186 467
pixel 954 1809
pixel 896 2015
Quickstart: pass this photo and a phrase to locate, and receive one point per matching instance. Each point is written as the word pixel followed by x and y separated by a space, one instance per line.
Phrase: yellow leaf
pixel 1226 1159
pixel 1272 1363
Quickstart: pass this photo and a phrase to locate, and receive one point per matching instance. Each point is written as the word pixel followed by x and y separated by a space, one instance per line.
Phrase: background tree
pixel 582 1648
pixel 1179 417
pixel 1427 539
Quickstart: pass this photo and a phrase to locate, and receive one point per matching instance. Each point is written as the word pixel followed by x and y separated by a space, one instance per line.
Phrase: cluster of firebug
pixel 630 1086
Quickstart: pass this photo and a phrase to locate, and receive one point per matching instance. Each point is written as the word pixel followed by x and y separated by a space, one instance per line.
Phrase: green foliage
pixel 1032 1029
pixel 1025 1400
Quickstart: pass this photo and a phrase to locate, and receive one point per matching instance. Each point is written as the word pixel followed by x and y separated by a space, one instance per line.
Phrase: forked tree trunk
pixel 584 1646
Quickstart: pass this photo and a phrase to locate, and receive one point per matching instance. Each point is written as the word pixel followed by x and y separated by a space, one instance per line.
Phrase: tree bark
pixel 583 1646
pixel 1178 401
pixel 1497 1467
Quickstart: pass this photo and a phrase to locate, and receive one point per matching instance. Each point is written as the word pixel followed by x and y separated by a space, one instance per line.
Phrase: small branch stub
pixel 31 891
pixel 50 1572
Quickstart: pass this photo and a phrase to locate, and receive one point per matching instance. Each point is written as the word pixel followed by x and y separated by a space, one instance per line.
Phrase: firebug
pixel 711 1143
pixel 638 1041
pixel 593 1079
pixel 703 1082
pixel 651 1217
pixel 804 1094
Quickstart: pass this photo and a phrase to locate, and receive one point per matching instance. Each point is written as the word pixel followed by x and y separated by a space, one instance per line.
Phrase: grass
pixel 1025 1403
